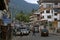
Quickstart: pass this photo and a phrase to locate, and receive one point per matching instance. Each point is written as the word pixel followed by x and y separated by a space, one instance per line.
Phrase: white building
pixel 49 9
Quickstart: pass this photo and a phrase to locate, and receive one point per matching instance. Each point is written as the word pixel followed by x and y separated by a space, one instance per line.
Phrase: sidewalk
pixel 57 34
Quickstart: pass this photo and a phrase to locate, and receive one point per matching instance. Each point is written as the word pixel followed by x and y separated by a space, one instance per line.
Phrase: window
pixel 37 18
pixel 49 16
pixel 49 5
pixel 55 19
pixel 47 11
pixel 42 17
pixel 55 14
pixel 38 15
pixel 42 11
pixel 56 3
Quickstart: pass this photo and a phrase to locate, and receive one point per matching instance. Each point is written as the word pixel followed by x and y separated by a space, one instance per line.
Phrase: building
pixel 50 11
pixel 4 7
pixel 5 30
pixel 35 17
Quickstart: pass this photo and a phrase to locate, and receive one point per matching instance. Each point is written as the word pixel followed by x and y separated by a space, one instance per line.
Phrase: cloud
pixel 32 1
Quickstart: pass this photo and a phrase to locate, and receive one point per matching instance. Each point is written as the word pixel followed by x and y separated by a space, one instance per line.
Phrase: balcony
pixel 56 6
pixel 57 9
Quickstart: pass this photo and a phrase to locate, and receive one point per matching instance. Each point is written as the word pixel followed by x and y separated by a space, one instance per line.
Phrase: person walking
pixel 33 31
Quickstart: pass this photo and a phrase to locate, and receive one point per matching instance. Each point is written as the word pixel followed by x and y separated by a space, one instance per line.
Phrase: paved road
pixel 36 37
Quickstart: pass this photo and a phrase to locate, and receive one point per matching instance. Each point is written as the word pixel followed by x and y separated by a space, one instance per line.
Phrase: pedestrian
pixel 44 26
pixel 33 31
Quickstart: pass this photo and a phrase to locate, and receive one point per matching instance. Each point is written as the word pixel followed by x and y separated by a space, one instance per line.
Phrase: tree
pixel 22 17
pixel 27 18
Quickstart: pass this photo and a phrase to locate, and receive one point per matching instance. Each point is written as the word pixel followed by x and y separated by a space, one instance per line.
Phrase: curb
pixel 57 34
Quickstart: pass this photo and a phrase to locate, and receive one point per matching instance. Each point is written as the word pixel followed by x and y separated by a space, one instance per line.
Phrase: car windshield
pixel 44 30
pixel 23 29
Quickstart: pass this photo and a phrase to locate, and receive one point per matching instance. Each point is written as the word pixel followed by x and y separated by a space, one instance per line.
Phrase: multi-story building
pixel 49 11
pixel 35 18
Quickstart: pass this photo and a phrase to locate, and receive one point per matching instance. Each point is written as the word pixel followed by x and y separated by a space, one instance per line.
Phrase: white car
pixel 18 33
pixel 24 31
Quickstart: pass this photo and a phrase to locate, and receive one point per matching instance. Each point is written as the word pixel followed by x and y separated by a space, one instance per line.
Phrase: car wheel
pixel 20 34
pixel 41 34
pixel 47 34
pixel 29 31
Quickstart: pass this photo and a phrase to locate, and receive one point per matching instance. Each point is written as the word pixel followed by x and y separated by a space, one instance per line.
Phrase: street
pixel 36 37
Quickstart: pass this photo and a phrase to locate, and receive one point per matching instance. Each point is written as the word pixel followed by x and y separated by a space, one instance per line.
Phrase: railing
pixel 56 6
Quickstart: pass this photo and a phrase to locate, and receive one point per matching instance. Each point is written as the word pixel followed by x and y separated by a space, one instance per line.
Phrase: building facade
pixel 5 31
pixel 48 9
pixel 4 7
pixel 35 17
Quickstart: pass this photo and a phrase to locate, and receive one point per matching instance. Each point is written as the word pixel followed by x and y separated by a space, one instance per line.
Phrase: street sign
pixel 4 16
pixel 7 21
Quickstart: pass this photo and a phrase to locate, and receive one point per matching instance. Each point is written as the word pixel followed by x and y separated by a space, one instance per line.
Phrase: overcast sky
pixel 32 1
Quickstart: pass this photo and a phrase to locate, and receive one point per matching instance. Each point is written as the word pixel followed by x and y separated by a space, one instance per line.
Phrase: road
pixel 36 37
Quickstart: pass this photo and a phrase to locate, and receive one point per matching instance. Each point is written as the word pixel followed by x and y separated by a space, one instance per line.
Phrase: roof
pixel 37 13
pixel 54 1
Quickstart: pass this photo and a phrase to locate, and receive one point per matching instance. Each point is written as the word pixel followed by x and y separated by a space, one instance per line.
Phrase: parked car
pixel 24 31
pixel 44 32
pixel 36 28
pixel 18 32
pixel 14 31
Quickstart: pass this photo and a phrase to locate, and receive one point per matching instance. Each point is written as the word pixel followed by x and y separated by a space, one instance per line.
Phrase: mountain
pixel 21 5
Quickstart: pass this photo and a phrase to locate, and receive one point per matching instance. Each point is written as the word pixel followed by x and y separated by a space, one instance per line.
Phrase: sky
pixel 32 1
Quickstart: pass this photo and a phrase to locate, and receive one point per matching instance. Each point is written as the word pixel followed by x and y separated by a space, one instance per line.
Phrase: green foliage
pixel 22 17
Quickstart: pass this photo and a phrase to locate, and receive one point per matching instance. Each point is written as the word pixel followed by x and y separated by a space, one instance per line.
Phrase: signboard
pixel 4 16
pixel 7 21
pixel 55 23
